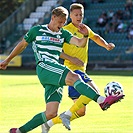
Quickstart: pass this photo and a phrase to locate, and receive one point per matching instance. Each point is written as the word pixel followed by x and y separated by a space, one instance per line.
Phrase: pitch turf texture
pixel 21 97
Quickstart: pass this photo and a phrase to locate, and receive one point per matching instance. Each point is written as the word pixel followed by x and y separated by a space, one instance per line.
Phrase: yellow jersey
pixel 75 51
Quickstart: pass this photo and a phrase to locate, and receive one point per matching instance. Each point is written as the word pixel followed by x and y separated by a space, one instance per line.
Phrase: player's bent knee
pixel 71 78
pixel 51 115
pixel 81 113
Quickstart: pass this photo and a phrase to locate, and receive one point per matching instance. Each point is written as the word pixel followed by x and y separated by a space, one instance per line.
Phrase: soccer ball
pixel 113 89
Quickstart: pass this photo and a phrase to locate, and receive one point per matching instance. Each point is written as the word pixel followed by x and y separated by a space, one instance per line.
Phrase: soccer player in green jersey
pixel 47 42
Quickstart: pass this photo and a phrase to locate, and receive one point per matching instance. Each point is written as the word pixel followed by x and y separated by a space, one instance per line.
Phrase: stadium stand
pixel 120 57
pixel 99 56
pixel 12 27
pixel 38 14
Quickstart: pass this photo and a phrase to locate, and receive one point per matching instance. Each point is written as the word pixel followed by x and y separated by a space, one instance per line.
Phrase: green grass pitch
pixel 21 97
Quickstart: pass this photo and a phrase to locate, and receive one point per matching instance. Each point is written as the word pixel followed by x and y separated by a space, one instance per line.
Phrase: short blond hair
pixel 76 6
pixel 60 11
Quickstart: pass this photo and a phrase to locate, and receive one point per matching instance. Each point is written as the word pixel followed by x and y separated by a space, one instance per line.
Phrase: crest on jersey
pixel 58 36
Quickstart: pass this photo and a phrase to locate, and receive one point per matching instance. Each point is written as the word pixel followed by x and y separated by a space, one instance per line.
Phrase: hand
pixel 76 61
pixel 83 29
pixel 110 46
pixel 3 64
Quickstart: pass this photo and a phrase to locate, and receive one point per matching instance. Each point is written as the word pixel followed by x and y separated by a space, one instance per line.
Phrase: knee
pixel 50 114
pixel 81 113
pixel 71 78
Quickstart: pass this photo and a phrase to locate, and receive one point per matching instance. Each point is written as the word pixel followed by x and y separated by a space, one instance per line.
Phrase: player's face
pixel 58 22
pixel 76 16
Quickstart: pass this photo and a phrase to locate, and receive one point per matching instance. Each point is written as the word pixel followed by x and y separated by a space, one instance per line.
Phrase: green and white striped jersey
pixel 47 45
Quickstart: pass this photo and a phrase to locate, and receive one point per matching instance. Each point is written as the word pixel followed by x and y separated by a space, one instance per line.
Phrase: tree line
pixel 7 7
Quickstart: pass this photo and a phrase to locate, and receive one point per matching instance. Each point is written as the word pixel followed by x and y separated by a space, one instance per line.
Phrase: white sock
pixel 50 123
pixel 69 113
pixel 18 131
pixel 100 99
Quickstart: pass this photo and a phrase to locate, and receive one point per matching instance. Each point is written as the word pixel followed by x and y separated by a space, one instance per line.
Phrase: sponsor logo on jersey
pixel 50 39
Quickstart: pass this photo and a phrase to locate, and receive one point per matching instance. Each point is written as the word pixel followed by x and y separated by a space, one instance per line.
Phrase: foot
pixel 110 100
pixel 13 130
pixel 65 120
pixel 45 128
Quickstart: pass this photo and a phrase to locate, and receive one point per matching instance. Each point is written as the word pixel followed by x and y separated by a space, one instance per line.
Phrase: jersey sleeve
pixel 91 33
pixel 30 36
pixel 67 36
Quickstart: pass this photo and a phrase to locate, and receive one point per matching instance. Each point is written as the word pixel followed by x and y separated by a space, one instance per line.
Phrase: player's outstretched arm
pixel 101 42
pixel 17 50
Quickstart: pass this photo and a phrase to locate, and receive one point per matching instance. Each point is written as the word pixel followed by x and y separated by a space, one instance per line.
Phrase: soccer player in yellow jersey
pixel 76 59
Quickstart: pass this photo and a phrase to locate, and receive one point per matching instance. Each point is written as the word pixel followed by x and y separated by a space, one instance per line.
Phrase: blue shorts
pixel 72 92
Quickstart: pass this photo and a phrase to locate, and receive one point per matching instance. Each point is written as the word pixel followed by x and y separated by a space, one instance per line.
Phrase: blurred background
pixel 112 19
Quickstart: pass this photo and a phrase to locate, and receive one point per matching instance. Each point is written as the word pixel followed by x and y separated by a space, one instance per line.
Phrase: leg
pixel 74 95
pixel 75 80
pixel 83 100
pixel 88 92
pixel 51 110
pixel 81 112
pixel 53 94
pixel 64 77
pixel 53 98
